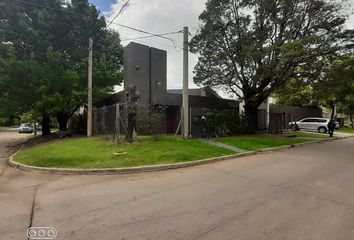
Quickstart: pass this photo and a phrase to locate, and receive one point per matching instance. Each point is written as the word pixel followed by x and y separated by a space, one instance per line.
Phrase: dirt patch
pixel 55 137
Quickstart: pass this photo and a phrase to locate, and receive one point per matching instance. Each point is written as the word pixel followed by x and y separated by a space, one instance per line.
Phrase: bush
pixel 9 121
pixel 223 123
pixel 150 120
pixel 78 123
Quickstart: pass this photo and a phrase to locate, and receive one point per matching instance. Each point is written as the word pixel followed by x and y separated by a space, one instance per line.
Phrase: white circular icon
pixel 42 233
pixel 51 233
pixel 32 233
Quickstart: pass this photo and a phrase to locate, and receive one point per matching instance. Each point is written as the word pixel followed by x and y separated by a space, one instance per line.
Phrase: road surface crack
pixel 33 206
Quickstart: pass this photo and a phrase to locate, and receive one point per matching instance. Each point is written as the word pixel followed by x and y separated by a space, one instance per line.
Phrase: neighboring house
pixel 341 118
pixel 272 115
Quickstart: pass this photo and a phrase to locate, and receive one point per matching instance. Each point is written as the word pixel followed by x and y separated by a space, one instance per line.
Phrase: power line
pixel 55 10
pixel 151 34
pixel 177 48
pixel 120 11
pixel 162 34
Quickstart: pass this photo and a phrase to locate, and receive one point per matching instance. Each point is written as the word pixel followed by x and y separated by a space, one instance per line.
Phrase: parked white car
pixel 25 128
pixel 312 124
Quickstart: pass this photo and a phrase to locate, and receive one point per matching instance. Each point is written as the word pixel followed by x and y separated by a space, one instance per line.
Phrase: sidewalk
pixel 218 144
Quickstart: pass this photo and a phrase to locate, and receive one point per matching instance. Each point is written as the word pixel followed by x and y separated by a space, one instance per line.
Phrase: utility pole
pixel 185 106
pixel 89 91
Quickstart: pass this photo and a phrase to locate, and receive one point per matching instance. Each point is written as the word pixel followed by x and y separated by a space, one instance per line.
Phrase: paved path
pixel 9 140
pixel 302 193
pixel 219 144
pixel 336 133
pixel 342 134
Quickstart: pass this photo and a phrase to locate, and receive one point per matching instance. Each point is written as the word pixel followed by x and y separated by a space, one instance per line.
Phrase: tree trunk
pixel 63 122
pixel 251 117
pixel 131 126
pixel 333 109
pixel 45 125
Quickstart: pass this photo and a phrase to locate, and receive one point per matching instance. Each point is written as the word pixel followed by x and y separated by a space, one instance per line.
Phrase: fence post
pixel 118 122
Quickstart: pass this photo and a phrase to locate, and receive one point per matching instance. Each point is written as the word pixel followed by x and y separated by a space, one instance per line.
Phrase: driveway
pixel 302 193
pixel 9 140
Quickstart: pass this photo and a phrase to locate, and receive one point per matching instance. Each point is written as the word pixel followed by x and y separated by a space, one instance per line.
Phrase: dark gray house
pixel 146 69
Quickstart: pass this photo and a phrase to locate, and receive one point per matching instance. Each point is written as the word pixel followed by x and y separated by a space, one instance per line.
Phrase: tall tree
pixel 296 93
pixel 252 47
pixel 56 37
pixel 336 87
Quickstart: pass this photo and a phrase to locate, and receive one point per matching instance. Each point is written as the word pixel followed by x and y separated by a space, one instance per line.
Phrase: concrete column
pixel 185 107
pixel 89 91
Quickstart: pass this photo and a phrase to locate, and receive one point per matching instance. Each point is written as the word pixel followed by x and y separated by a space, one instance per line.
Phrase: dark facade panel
pixel 211 103
pixel 197 101
pixel 137 69
pixel 158 61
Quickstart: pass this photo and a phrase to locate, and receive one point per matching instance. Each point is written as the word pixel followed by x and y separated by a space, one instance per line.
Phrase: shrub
pixel 78 123
pixel 150 120
pixel 223 123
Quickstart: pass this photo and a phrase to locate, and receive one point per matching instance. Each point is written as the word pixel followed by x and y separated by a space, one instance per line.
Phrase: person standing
pixel 331 125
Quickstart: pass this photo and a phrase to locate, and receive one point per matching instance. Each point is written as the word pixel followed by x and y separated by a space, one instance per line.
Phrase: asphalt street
pixel 301 193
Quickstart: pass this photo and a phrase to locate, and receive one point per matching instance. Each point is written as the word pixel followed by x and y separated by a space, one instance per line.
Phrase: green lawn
pixel 346 130
pixel 252 143
pixel 98 153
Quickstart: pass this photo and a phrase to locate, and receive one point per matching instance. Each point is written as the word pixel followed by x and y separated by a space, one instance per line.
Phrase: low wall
pixel 285 114
pixel 297 112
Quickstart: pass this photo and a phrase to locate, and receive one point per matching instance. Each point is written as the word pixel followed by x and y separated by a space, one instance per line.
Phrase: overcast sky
pixel 160 16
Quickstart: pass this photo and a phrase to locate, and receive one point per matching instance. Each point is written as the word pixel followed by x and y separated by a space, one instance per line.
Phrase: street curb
pixel 155 168
pixel 302 144
pixel 112 171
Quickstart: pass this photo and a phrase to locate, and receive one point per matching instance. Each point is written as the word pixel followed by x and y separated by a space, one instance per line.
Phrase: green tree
pixel 25 89
pixel 296 93
pixel 336 87
pixel 252 47
pixel 53 40
pixel 346 101
pixel 132 96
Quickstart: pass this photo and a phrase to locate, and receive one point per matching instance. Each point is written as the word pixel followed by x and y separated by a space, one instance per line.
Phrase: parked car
pixel 313 124
pixel 26 128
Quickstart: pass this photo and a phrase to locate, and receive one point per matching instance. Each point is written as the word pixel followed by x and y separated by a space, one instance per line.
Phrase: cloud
pixel 161 16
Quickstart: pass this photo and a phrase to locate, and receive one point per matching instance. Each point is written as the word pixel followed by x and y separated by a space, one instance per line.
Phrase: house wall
pixel 137 69
pixel 297 112
pixel 158 81
pixel 146 68
pixel 290 113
